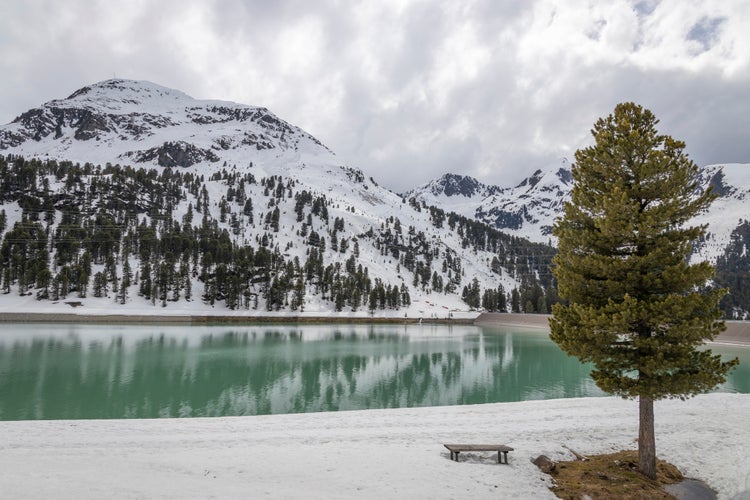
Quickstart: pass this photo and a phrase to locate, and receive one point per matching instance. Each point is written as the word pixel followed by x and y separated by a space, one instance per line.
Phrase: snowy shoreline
pixel 370 453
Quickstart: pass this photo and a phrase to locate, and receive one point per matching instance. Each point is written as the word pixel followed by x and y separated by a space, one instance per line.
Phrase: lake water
pixel 139 371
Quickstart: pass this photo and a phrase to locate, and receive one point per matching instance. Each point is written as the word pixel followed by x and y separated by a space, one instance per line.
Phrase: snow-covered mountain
pixel 527 210
pixel 142 123
pixel 229 157
pixel 530 208
pixel 731 182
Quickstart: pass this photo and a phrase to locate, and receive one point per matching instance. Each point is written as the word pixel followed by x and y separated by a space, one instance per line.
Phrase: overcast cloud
pixel 409 90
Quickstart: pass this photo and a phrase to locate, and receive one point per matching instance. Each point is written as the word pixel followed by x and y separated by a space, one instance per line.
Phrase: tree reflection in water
pixel 87 371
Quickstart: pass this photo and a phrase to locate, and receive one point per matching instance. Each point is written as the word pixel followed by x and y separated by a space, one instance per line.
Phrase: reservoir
pixel 69 371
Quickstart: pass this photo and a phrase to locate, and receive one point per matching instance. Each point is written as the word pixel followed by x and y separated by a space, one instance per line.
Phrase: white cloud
pixel 408 90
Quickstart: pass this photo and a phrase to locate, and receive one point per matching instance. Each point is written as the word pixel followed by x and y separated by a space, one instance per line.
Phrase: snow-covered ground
pixel 366 454
pixel 141 309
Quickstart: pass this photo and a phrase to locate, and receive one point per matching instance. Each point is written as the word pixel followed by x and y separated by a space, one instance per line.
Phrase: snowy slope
pixel 527 209
pixel 395 453
pixel 530 208
pixel 731 182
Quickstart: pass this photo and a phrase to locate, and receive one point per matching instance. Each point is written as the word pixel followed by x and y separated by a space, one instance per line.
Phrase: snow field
pixel 366 454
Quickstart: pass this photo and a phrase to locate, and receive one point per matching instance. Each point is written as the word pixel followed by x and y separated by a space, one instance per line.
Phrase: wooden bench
pixel 501 449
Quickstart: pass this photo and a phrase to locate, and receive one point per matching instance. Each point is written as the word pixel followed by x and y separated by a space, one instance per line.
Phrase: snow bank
pixel 373 453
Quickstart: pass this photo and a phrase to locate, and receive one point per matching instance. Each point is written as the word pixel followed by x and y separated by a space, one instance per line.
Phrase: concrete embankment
pixel 737 332
pixel 513 319
pixel 216 319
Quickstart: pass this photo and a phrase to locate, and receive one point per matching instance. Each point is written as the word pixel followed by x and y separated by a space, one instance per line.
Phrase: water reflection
pixel 739 379
pixel 86 371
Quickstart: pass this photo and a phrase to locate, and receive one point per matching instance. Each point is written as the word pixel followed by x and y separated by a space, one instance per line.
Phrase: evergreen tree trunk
pixel 646 438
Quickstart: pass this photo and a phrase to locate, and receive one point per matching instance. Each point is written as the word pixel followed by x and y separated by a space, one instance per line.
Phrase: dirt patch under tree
pixel 612 476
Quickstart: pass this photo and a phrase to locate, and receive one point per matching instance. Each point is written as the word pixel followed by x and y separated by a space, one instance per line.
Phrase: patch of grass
pixel 612 476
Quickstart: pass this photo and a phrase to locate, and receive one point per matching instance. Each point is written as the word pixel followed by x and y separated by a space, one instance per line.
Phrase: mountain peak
pixel 455 185
pixel 137 121
pixel 125 91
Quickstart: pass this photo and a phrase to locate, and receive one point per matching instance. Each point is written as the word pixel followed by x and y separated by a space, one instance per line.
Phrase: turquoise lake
pixel 147 371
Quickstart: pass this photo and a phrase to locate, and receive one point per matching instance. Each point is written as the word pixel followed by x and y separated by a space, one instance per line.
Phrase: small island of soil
pixel 612 476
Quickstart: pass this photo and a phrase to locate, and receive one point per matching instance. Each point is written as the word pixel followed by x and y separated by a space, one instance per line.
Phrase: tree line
pixel 115 231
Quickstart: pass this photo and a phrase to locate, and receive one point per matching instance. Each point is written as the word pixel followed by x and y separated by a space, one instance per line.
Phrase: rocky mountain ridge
pixel 530 208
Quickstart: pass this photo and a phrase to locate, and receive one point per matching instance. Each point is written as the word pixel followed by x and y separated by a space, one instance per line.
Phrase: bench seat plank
pixel 501 449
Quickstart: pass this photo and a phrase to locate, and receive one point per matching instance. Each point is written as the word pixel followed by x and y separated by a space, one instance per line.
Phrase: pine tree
pixel 184 279
pixel 405 298
pixel 83 282
pixel 100 284
pixel 127 276
pixel 145 285
pixel 635 305
pixel 43 279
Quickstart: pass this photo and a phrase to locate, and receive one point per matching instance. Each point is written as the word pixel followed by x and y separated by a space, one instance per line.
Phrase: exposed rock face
pixel 452 185
pixel 174 154
pixel 719 186
pixel 8 139
pixel 41 122
pixel 455 185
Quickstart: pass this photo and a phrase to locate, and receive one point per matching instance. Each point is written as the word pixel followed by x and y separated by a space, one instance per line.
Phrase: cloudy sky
pixel 410 89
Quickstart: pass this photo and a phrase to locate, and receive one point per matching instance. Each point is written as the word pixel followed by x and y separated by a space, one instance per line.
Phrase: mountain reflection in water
pixel 89 371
